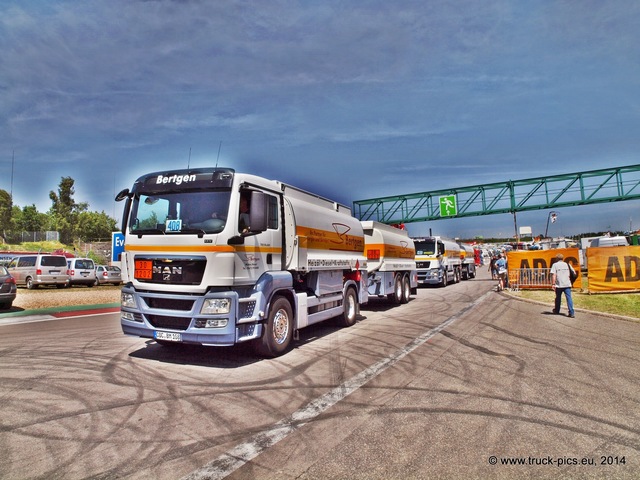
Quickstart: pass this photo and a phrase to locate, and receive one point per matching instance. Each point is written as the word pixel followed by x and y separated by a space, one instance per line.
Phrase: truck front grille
pixel 169 303
pixel 165 321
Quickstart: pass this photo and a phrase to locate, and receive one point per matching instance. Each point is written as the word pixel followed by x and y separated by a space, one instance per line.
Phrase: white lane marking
pixel 27 319
pixel 45 318
pixel 245 452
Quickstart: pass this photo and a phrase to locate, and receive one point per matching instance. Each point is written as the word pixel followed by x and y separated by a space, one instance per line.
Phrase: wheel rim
pixel 280 327
pixel 407 289
pixel 351 307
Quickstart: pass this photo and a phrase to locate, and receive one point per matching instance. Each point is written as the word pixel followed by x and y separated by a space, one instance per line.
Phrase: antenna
pixel 13 158
pixel 189 161
pixel 219 147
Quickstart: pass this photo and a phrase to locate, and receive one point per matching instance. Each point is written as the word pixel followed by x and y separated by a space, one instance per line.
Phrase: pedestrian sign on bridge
pixel 448 206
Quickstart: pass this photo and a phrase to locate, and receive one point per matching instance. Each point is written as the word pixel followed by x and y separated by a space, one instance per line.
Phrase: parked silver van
pixel 39 269
pixel 82 271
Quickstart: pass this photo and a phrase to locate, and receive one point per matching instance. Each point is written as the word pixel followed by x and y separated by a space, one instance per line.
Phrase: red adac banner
pixel 613 268
pixel 521 262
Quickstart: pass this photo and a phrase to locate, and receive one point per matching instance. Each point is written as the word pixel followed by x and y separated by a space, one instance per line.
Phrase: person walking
pixel 501 269
pixel 561 283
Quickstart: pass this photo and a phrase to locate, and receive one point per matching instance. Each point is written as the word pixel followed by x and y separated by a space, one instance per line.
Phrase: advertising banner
pixel 530 268
pixel 613 268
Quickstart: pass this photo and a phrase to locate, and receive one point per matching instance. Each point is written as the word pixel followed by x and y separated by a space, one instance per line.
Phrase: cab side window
pixel 245 209
pixel 272 209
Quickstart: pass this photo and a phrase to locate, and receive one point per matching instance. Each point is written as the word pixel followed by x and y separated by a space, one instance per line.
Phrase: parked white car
pixel 82 271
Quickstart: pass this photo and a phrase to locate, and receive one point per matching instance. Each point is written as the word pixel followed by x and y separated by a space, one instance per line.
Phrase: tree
pixel 30 220
pixel 95 226
pixel 6 206
pixel 64 210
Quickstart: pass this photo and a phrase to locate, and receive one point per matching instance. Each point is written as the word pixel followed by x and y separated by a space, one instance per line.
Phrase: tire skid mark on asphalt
pixel 245 452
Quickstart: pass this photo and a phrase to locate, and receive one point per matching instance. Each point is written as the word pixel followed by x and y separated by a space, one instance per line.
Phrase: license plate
pixel 54 272
pixel 168 336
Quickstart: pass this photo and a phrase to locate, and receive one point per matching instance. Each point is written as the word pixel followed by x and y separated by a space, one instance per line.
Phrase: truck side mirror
pixel 258 212
pixel 122 195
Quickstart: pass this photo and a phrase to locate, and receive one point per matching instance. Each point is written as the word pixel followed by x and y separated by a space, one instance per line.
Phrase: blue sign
pixel 117 246
pixel 173 226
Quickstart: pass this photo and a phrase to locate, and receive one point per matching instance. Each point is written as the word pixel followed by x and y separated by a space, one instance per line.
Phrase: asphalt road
pixel 462 382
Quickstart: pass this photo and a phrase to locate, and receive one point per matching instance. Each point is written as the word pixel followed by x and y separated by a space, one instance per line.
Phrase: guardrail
pixel 529 278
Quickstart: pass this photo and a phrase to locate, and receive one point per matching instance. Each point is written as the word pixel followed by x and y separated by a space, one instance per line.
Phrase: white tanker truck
pixel 467 261
pixel 199 268
pixel 391 264
pixel 437 261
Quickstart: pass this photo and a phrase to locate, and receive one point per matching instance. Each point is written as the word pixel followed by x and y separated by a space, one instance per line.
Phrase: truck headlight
pixel 214 306
pixel 127 300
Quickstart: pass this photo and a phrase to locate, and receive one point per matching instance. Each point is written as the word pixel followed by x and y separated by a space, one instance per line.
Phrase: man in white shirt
pixel 561 283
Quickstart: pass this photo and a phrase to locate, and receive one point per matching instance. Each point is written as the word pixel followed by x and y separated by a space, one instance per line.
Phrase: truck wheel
pixel 278 330
pixel 406 289
pixel 443 283
pixel 350 304
pixel 396 296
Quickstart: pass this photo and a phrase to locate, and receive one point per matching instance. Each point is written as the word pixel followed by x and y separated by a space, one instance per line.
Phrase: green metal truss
pixel 584 188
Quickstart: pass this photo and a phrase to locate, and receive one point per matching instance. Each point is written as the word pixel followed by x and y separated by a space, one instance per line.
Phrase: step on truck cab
pixel 214 257
pixel 437 261
pixel 391 264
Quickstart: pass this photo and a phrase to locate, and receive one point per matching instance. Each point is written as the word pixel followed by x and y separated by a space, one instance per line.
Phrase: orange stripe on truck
pixel 339 239
pixel 391 251
pixel 201 248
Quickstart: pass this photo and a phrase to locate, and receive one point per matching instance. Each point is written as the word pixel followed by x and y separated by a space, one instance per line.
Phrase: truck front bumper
pixel 179 318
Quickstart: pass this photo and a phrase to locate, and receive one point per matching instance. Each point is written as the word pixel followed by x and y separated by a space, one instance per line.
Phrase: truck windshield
pixel 426 247
pixel 181 212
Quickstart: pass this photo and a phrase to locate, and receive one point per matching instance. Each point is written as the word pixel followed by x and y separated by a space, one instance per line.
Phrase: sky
pixel 350 100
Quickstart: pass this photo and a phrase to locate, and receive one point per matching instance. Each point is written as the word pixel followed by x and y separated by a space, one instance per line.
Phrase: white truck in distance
pixel 199 268
pixel 437 261
pixel 391 264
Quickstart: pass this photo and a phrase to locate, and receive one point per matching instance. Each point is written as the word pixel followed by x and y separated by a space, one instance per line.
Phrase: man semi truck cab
pixel 198 268
pixel 437 261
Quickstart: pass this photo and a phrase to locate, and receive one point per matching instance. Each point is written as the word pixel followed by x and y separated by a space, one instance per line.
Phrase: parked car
pixel 7 289
pixel 82 271
pixel 108 274
pixel 39 269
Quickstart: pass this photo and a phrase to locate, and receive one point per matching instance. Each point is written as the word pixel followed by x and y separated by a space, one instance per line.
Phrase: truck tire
pixel 278 330
pixel 443 282
pixel 396 296
pixel 350 312
pixel 406 289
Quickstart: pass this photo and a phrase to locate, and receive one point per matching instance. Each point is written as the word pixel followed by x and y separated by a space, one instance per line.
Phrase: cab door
pixel 261 251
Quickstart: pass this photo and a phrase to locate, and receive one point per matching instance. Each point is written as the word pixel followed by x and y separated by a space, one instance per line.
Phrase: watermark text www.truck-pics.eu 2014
pixel 214 257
